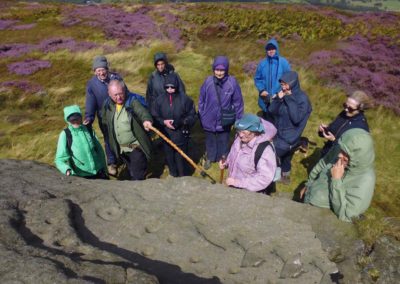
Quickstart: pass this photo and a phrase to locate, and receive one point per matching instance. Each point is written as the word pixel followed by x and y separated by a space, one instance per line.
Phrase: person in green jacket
pixel 126 122
pixel 344 179
pixel 85 156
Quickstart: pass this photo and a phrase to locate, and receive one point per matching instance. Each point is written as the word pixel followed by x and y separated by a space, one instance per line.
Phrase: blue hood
pixel 292 79
pixel 221 60
pixel 275 43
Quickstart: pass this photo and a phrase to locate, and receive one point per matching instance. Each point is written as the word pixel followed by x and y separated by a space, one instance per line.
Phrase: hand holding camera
pixel 326 133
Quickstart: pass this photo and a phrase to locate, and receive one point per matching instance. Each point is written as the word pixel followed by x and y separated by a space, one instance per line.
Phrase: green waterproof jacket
pixel 137 115
pixel 87 154
pixel 351 195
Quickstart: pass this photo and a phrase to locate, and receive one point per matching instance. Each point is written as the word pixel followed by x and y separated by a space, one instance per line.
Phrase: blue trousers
pixel 111 159
pixel 285 153
pixel 217 145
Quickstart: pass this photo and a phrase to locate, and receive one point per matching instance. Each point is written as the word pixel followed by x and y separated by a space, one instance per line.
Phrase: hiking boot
pixel 112 170
pixel 285 180
pixel 207 164
pixel 303 146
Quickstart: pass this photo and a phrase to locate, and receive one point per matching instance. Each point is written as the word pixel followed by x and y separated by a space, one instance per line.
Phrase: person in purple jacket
pixel 243 172
pixel 220 91
pixel 96 94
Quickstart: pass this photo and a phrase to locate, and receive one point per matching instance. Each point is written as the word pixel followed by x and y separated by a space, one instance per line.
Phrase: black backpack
pixel 257 156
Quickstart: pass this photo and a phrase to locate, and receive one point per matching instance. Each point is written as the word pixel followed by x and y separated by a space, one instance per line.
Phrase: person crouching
pixel 244 171
pixel 79 152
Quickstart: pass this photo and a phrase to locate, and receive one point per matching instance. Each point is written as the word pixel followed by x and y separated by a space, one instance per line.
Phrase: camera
pixel 186 130
pixel 325 130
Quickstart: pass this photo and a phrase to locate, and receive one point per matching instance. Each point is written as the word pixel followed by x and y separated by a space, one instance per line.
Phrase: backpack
pixel 129 98
pixel 260 150
pixel 68 135
pixel 133 96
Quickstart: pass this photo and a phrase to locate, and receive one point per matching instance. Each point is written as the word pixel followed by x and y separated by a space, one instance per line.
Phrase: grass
pixel 30 124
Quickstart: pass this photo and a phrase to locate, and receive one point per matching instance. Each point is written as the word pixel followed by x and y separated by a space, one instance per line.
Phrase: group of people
pixel 261 153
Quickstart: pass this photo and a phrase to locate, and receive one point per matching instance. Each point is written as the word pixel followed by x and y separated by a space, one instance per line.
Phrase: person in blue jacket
pixel 96 94
pixel 267 76
pixel 290 110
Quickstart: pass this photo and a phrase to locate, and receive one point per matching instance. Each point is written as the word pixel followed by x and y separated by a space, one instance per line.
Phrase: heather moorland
pixel 46 52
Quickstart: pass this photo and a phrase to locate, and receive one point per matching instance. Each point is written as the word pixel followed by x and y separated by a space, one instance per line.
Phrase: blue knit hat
pixel 250 122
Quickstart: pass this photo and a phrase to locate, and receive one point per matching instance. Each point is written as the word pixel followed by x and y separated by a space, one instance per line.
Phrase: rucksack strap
pixel 89 127
pixel 257 156
pixel 259 151
pixel 68 136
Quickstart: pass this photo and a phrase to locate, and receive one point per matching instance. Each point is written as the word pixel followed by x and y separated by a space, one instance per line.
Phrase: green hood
pixel 358 144
pixel 68 110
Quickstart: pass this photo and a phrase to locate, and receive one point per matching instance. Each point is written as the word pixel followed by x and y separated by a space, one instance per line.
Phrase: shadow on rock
pixel 165 272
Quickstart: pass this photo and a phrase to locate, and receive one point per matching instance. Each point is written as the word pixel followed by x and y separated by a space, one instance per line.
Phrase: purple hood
pixel 221 60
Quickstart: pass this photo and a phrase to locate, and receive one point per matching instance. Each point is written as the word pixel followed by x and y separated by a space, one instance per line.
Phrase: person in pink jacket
pixel 243 171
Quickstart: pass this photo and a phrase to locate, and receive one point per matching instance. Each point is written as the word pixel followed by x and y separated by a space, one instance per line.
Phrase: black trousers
pixel 136 162
pixel 177 165
pixel 270 189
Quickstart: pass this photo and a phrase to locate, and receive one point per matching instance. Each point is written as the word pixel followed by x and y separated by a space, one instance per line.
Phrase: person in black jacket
pixel 156 82
pixel 176 114
pixel 351 117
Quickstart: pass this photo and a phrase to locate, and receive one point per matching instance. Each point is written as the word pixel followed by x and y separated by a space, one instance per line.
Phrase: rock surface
pixel 58 229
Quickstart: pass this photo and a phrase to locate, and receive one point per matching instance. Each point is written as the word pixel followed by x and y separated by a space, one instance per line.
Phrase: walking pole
pixel 173 145
pixel 221 176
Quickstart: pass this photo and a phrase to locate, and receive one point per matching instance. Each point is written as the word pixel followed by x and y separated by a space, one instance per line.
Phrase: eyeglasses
pixel 169 87
pixel 349 108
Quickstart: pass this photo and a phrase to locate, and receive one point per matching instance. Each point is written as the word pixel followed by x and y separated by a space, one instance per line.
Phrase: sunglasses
pixel 169 87
pixel 349 108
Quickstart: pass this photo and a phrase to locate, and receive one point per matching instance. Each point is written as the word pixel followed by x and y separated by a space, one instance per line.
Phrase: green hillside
pixel 358 5
pixel 64 38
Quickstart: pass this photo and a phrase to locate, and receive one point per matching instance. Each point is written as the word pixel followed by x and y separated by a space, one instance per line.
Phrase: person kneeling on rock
pixel 252 160
pixel 344 179
pixel 79 152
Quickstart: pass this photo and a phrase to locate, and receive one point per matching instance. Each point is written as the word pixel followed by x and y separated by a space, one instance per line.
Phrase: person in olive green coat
pixel 126 122
pixel 344 179
pixel 85 157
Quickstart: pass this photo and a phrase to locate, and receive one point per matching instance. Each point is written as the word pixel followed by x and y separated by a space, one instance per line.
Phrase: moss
pixel 374 274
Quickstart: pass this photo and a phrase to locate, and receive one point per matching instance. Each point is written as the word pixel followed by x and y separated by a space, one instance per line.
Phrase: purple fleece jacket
pixel 241 161
pixel 231 94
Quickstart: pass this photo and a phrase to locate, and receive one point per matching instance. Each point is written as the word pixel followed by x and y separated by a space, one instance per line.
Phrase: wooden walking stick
pixel 221 176
pixel 179 150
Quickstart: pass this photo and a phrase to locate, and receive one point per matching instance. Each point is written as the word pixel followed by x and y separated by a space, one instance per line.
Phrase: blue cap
pixel 250 122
